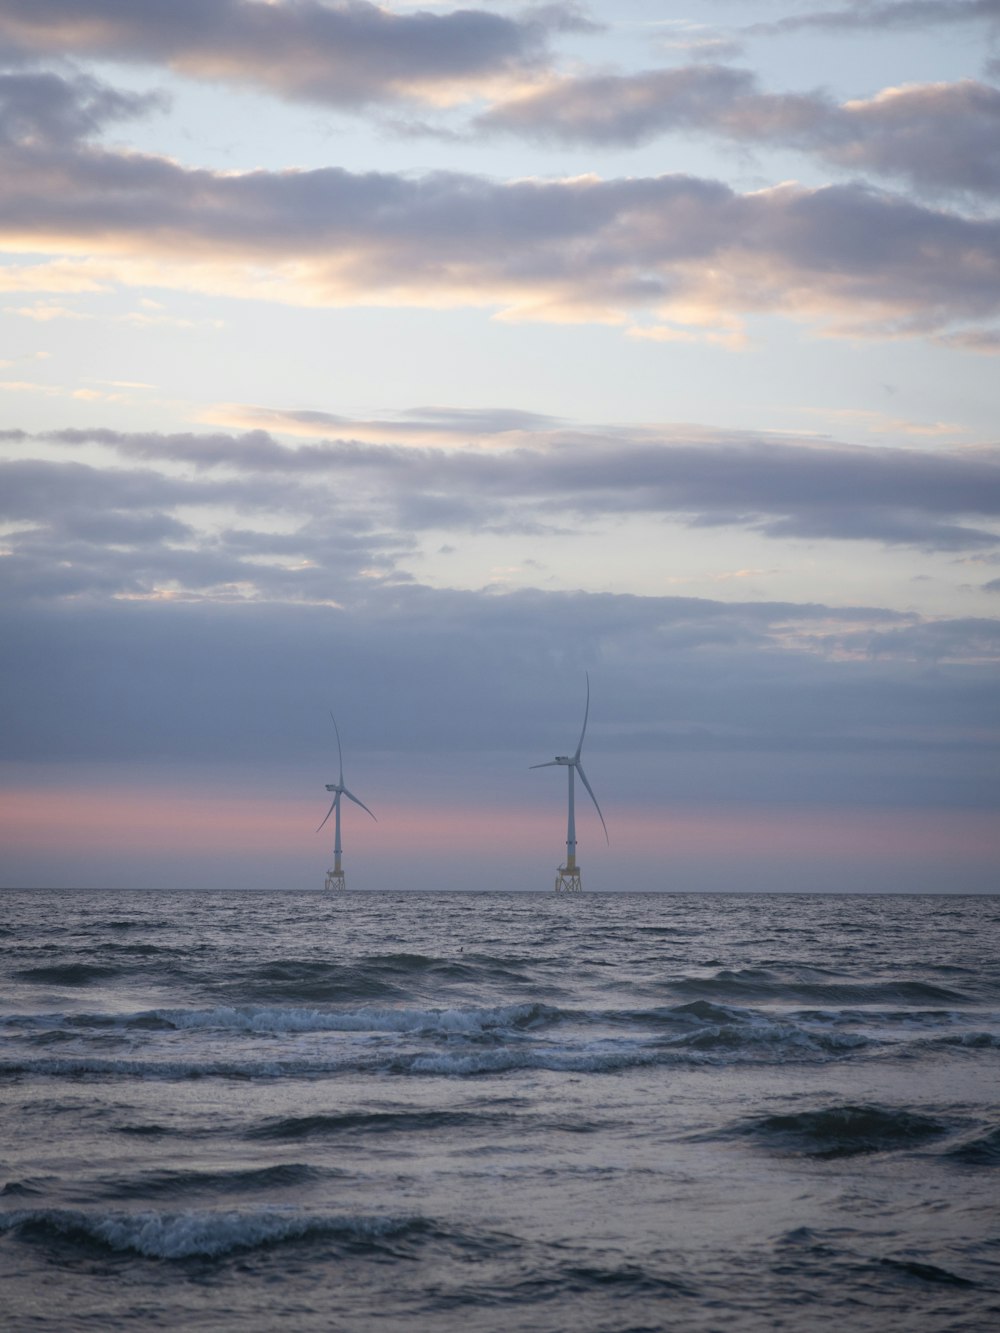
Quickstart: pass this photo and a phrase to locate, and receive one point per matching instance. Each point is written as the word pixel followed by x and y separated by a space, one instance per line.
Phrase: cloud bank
pixel 889 16
pixel 689 251
pixel 340 55
pixel 224 517
pixel 940 136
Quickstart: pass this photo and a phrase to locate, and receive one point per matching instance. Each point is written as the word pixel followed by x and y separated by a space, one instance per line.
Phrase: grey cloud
pixel 722 696
pixel 100 533
pixel 38 108
pixel 958 639
pixel 943 136
pixel 631 108
pixel 870 261
pixel 939 136
pixel 342 55
pixel 974 340
pixel 34 489
pixel 896 14
pixel 414 423
pixel 254 451
pixel 489 420
pixel 895 496
pixel 887 526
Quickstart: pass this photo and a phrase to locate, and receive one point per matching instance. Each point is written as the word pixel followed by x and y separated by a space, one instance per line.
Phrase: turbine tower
pixel 335 877
pixel 568 876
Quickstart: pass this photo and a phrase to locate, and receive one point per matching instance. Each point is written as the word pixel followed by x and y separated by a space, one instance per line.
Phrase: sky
pixel 413 361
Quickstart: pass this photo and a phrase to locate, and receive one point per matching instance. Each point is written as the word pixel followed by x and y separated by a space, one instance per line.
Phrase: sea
pixel 611 1112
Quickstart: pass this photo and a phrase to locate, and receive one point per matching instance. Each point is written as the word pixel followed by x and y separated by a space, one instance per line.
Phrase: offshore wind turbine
pixel 335 878
pixel 568 876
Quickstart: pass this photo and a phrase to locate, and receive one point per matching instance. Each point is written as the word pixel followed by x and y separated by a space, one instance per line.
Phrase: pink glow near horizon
pixel 164 821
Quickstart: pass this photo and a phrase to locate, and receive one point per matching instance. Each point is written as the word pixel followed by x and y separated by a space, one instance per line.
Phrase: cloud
pixel 54 276
pixel 39 109
pixel 82 531
pixel 689 251
pixel 632 108
pixel 736 702
pixel 418 425
pixel 888 16
pixel 342 55
pixel 188 598
pixel 314 522
pixel 942 136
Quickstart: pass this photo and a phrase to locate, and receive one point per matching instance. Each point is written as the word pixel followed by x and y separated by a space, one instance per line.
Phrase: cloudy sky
pixel 411 361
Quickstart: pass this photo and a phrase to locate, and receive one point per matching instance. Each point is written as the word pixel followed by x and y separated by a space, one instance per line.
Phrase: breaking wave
pixel 210 1234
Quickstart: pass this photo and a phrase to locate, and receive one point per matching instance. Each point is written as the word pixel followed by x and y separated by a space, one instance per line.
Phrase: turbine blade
pixel 553 763
pixel 351 797
pixel 340 753
pixel 330 811
pixel 583 779
pixel 586 714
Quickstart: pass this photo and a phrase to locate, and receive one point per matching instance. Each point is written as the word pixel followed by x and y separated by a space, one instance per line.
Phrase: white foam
pixel 206 1234
pixel 264 1019
pixel 595 1059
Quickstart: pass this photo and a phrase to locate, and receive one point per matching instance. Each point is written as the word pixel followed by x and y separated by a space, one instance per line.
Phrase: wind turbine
pixel 568 876
pixel 335 877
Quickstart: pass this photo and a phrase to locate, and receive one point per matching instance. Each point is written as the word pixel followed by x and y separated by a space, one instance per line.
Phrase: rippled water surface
pixel 472 1112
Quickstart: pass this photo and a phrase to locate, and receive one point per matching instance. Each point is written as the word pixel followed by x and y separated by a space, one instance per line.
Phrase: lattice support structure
pixel 335 881
pixel 568 879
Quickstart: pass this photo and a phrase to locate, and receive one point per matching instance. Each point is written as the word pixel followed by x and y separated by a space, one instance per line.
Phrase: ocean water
pixel 515 1112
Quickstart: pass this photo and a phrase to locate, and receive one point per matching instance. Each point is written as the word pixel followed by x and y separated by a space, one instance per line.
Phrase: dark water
pixel 455 1112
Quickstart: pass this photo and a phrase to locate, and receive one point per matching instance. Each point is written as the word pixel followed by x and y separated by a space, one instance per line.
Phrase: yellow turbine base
pixel 568 879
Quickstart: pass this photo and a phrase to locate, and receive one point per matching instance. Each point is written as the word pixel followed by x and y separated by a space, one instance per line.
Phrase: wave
pixel 976 1041
pixel 371 977
pixel 704 1026
pixel 845 1131
pixel 461 1042
pixel 829 1249
pixel 471 1022
pixel 225 1041
pixel 446 1022
pixel 983 1150
pixel 762 984
pixel 22 1189
pixel 926 1272
pixel 305 979
pixel 782 1040
pixel 209 1235
pixel 293 1128
pixel 897 1017
pixel 598 1059
pixel 66 974
pixel 559 1280
pixel 103 1067
pixel 171 1184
